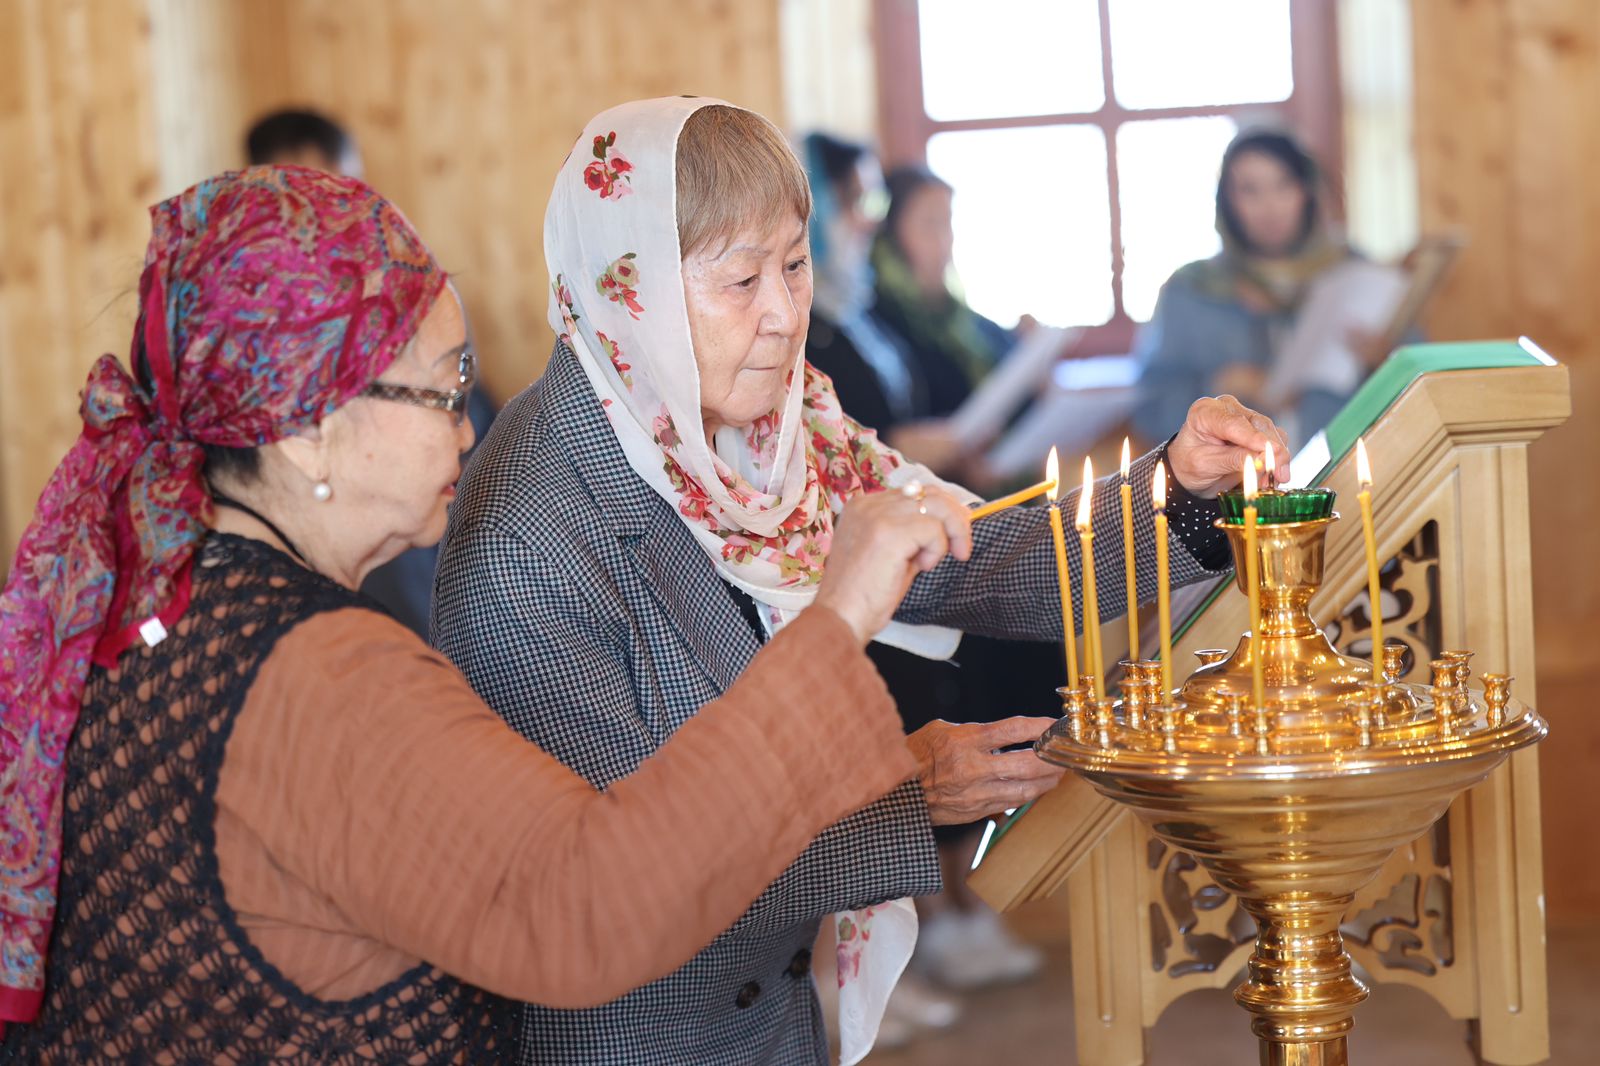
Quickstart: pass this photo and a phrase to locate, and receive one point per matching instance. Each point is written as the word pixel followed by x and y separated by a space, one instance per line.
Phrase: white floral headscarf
pixel 764 501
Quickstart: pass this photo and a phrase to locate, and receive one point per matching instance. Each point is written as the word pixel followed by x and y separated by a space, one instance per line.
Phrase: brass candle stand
pixel 1294 806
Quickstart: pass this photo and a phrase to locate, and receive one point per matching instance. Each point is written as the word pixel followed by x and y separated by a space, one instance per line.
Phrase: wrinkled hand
pixel 962 777
pixel 1208 452
pixel 881 542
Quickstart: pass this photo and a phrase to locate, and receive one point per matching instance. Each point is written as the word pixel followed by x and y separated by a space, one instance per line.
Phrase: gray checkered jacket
pixel 582 610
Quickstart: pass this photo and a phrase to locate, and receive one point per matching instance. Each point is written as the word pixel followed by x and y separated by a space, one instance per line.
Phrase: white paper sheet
pixel 1018 378
pixel 1353 297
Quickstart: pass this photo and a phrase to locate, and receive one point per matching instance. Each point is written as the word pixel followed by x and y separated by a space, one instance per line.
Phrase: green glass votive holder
pixel 1275 507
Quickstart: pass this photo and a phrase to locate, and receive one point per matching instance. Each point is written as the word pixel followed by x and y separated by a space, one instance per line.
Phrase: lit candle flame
pixel 1083 497
pixel 1250 479
pixel 1052 474
pixel 1363 465
pixel 1271 469
pixel 1158 490
pixel 1125 460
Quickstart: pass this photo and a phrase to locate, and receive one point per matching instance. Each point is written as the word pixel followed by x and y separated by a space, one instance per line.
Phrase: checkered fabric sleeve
pixel 1008 588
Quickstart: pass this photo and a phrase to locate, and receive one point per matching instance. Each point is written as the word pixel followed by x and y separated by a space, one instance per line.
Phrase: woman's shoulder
pixel 528 464
pixel 1210 277
pixel 552 471
pixel 1205 288
pixel 355 657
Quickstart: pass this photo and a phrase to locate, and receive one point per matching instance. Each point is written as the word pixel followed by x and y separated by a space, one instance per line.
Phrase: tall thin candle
pixel 1020 496
pixel 1252 581
pixel 1128 572
pixel 1158 497
pixel 1374 593
pixel 1069 634
pixel 1091 605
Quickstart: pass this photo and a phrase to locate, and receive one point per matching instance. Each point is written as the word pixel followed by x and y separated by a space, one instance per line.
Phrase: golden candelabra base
pixel 1294 806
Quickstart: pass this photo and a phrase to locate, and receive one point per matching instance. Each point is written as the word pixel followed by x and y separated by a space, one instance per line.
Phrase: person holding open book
pixel 1222 325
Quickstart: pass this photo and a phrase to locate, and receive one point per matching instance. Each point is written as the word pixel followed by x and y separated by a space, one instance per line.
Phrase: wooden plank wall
pixel 77 171
pixel 464 111
pixel 1508 146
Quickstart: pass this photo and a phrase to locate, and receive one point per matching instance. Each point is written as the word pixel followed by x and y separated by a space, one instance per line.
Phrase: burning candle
pixel 1252 581
pixel 1127 557
pixel 1069 631
pixel 1047 487
pixel 1364 476
pixel 1091 605
pixel 1269 469
pixel 1158 497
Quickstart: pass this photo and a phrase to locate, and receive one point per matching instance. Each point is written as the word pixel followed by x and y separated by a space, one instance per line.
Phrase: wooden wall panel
pixel 1508 143
pixel 464 110
pixel 77 172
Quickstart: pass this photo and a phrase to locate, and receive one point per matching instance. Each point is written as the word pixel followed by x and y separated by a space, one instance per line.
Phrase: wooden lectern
pixel 1458 914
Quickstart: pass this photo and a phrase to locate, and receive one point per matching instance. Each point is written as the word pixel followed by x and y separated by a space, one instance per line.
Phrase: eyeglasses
pixel 454 401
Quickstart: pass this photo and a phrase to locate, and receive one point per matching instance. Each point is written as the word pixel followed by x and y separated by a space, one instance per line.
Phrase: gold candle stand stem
pixel 1298 948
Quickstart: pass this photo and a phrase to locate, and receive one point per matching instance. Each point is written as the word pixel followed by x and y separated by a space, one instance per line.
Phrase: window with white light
pixel 1083 137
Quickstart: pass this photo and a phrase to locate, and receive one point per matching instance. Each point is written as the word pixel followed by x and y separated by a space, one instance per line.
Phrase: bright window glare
pixel 1032 221
pixel 1176 53
pixel 1167 181
pixel 1002 58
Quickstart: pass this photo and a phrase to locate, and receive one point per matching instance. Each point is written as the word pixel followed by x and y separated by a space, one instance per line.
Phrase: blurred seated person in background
pixel 1220 323
pixel 918 296
pixel 404 586
pixel 872 368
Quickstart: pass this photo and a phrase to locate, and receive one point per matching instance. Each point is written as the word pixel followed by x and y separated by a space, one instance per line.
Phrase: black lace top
pixel 148 963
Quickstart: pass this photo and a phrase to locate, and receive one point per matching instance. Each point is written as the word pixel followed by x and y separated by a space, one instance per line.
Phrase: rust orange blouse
pixel 373 812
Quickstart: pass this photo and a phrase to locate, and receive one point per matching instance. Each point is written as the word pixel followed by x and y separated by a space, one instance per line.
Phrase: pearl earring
pixel 322 492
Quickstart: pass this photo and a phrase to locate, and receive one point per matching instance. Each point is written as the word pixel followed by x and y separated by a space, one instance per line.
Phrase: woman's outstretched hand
pixel 1208 453
pixel 965 776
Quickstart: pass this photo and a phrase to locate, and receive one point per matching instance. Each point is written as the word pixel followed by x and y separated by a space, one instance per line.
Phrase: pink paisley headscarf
pixel 269 297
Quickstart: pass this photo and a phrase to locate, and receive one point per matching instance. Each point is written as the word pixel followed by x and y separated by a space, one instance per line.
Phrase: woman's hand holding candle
pixel 1219 433
pixel 882 541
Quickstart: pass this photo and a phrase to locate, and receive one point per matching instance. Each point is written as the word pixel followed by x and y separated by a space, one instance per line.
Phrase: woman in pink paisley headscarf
pixel 244 816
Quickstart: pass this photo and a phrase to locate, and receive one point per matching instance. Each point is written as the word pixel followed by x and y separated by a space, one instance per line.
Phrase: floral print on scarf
pixel 614 351
pixel 617 283
pixel 608 174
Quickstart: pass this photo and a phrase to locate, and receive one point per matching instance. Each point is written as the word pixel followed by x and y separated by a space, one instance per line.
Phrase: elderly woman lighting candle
pixel 247 817
pixel 663 503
